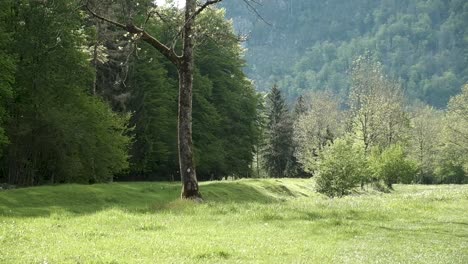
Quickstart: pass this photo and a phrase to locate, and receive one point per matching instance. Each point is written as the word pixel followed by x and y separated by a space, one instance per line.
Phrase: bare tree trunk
pixel 187 167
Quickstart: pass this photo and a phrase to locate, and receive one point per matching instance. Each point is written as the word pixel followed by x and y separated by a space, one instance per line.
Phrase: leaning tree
pixel 183 60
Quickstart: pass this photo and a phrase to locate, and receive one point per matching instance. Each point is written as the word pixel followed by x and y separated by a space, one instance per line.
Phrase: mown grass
pixel 247 221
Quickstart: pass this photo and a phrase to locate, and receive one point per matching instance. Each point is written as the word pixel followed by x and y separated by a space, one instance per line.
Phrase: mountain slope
pixel 311 44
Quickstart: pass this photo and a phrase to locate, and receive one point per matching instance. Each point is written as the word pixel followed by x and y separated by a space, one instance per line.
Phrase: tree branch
pixel 253 9
pixel 115 23
pixel 163 49
pixel 204 6
pixel 192 17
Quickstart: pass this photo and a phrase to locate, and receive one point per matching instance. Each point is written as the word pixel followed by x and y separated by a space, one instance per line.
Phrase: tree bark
pixel 187 167
pixel 188 174
pixel 95 57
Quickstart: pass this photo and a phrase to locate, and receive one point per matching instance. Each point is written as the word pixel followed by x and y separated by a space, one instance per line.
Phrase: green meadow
pixel 245 221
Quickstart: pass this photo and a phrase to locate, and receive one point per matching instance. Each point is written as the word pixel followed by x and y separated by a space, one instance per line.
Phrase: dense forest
pixel 368 93
pixel 83 101
pixel 309 45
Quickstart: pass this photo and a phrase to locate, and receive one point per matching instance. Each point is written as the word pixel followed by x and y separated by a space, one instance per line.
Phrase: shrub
pixel 340 168
pixel 391 166
pixel 450 173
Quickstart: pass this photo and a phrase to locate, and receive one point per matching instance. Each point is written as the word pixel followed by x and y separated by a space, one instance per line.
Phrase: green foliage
pixel 312 43
pixel 340 168
pixel 317 127
pixel 233 124
pixel 58 132
pixel 7 70
pixel 224 107
pixel 449 172
pixel 457 129
pixel 376 105
pixel 391 166
pixel 154 118
pixel 426 139
pixel 278 152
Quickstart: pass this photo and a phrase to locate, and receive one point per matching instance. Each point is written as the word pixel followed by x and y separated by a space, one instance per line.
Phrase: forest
pixel 310 45
pixel 86 101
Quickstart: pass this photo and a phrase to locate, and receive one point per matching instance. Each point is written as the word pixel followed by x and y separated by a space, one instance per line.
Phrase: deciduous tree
pixel 376 105
pixel 426 140
pixel 317 128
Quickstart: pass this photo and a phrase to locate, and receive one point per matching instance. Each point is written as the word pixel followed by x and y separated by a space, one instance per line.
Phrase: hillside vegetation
pixel 246 221
pixel 310 44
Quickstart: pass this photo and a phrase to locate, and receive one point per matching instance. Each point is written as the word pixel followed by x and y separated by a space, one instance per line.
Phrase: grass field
pixel 247 221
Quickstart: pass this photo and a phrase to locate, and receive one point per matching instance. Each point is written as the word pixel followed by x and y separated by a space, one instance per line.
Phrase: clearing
pixel 245 221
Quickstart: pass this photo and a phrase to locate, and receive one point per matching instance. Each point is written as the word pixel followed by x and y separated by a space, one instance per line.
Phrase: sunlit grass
pixel 247 221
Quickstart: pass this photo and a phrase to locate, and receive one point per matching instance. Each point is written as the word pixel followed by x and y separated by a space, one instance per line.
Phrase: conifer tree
pixel 278 150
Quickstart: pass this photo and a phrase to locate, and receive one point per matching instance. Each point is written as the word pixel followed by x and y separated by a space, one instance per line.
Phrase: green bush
pixel 391 166
pixel 450 173
pixel 341 167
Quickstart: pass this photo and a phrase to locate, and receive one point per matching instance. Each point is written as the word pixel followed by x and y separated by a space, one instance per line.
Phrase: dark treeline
pixel 85 102
pixel 311 44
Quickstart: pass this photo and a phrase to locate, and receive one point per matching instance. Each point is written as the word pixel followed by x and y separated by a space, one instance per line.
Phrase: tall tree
pixel 376 105
pixel 457 129
pixel 188 31
pixel 426 138
pixel 296 169
pixel 185 65
pixel 278 150
pixel 224 106
pixel 317 128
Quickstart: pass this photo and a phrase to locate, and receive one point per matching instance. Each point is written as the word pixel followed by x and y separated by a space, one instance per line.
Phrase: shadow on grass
pixel 146 197
pixel 83 199
pixel 422 229
pixel 235 192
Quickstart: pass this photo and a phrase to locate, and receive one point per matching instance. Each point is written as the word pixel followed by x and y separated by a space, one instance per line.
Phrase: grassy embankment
pixel 247 221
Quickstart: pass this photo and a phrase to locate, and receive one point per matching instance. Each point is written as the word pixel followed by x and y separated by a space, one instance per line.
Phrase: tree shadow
pixel 78 199
pixel 236 192
pixel 142 197
pixel 423 228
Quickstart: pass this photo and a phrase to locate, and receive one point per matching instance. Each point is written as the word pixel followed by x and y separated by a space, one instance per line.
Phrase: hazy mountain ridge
pixel 311 44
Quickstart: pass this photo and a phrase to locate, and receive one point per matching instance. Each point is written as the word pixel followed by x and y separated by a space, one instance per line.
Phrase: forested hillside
pixel 310 44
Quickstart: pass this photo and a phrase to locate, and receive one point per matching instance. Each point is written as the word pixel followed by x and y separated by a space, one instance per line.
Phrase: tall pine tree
pixel 278 150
